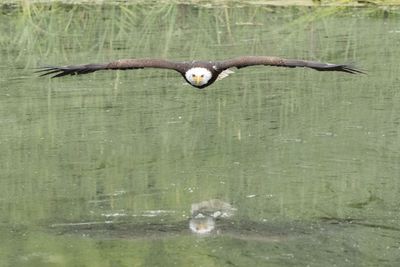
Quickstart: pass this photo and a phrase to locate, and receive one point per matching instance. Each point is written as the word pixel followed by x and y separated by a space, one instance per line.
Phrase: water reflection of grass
pixel 304 144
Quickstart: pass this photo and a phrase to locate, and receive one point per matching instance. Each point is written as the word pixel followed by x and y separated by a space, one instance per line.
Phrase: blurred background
pixel 102 169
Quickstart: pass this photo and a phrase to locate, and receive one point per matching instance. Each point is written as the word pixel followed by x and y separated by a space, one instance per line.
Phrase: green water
pixel 101 169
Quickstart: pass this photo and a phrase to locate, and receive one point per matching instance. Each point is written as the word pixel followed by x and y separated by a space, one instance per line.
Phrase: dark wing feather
pixel 246 61
pixel 123 64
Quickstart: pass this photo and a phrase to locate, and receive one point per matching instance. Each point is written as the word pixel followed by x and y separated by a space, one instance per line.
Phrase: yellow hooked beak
pixel 198 80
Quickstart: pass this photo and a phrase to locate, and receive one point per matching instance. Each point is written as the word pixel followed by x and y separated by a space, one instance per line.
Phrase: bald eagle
pixel 199 74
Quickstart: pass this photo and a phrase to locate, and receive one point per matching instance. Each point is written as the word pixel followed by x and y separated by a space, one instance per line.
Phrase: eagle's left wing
pixel 246 61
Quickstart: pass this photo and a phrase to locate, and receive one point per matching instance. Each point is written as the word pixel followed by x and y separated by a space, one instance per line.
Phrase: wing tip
pixel 352 69
pixel 49 70
pixel 67 70
pixel 348 68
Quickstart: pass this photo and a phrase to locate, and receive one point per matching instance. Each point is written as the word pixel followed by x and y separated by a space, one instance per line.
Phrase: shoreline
pixel 216 3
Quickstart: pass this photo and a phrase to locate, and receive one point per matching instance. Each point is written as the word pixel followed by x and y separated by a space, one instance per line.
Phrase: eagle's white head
pixel 198 76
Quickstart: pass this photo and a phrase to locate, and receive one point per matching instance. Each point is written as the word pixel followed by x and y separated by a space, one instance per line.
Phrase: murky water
pixel 102 169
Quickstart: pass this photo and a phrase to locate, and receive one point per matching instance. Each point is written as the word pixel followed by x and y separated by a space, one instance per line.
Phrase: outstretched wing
pixel 246 61
pixel 123 64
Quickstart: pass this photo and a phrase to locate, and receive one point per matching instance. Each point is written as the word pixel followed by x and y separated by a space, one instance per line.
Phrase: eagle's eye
pixel 202 76
pixel 193 75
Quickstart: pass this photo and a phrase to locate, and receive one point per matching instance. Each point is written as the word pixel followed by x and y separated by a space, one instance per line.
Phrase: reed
pixel 51 30
pixel 208 3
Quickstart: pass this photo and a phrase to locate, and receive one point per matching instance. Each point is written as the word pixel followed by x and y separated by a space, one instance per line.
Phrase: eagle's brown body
pixel 211 68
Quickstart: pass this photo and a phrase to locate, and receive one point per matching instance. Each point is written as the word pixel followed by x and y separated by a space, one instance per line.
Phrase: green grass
pixel 209 3
pixel 51 30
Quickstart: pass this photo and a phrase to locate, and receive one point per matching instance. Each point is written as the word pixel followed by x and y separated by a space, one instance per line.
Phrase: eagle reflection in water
pixel 205 213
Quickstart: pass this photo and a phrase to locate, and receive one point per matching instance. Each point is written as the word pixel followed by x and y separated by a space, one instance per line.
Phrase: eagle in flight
pixel 199 74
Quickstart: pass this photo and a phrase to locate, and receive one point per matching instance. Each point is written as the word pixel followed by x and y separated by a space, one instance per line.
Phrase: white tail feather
pixel 224 74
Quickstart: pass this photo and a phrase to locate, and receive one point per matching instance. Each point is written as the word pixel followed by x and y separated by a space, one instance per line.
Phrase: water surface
pixel 102 169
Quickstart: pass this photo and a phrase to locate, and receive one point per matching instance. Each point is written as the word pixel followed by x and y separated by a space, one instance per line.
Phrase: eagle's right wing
pixel 122 64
